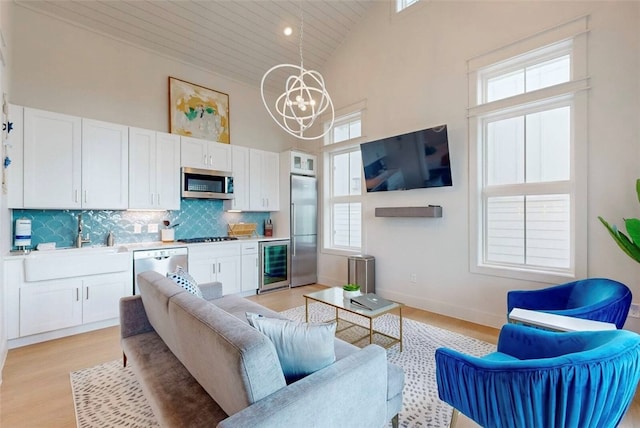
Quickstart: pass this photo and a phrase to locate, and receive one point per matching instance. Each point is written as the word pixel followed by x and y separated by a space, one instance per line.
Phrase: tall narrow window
pixel 343 184
pixel 527 131
pixel 403 4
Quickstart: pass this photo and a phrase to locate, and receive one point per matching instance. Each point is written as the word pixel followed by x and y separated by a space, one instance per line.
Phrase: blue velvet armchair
pixel 539 378
pixel 597 299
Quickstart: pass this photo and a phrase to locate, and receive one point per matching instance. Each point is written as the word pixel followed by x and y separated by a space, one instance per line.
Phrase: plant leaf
pixel 638 188
pixel 623 241
pixel 633 228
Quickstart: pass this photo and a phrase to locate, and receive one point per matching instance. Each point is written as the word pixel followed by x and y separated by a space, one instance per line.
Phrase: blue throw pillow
pixel 184 280
pixel 302 348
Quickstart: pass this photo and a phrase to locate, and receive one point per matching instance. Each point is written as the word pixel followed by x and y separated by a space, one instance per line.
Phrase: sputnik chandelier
pixel 304 99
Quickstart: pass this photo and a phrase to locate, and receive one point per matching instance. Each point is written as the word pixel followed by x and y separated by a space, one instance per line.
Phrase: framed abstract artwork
pixel 196 111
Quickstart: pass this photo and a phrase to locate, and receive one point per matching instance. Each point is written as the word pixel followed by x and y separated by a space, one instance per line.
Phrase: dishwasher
pixel 159 260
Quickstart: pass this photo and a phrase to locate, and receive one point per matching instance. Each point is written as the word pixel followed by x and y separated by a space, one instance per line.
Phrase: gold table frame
pixel 334 297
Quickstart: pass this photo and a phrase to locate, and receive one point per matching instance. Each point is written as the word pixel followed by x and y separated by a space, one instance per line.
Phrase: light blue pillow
pixel 184 280
pixel 302 348
pixel 251 316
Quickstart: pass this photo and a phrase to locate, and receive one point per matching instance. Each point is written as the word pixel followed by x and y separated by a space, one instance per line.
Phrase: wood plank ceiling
pixel 239 39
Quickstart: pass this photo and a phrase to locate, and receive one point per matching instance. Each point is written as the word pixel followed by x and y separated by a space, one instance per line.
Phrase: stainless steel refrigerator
pixel 304 230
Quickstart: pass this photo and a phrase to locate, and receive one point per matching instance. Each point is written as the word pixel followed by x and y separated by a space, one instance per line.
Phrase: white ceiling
pixel 240 39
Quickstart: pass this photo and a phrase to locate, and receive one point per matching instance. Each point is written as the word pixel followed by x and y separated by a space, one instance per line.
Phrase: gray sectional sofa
pixel 200 364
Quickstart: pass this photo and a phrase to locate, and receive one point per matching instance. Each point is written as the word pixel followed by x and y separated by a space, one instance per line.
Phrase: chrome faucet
pixel 79 239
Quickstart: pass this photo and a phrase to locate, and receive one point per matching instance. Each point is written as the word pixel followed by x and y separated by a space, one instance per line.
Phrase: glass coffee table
pixel 334 298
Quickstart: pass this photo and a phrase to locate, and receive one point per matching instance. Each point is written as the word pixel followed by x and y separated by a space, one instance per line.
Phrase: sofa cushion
pixel 239 306
pixel 184 280
pixel 302 348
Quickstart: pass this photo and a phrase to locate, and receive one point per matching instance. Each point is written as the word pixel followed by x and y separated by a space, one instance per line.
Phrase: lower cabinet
pixel 250 267
pixel 50 306
pixel 53 305
pixel 216 262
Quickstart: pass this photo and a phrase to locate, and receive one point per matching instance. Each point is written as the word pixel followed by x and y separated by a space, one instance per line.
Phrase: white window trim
pixel 346 113
pixel 351 198
pixel 577 87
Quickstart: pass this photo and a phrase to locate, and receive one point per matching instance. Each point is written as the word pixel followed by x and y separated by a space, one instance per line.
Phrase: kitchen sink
pixel 73 262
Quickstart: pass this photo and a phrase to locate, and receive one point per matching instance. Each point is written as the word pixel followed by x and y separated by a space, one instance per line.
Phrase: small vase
pixel 350 294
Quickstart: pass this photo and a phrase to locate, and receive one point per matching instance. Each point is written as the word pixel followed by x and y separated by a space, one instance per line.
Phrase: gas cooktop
pixel 207 239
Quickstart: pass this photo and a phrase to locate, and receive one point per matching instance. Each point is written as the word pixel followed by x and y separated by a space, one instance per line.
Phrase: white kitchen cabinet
pixel 15 151
pixel 241 184
pixel 13 279
pixel 250 268
pixel 101 296
pixel 52 159
pixel 203 154
pixel 72 163
pixel 303 163
pixel 217 262
pixel 105 165
pixel 69 302
pixel 264 193
pixel 50 306
pixel 154 170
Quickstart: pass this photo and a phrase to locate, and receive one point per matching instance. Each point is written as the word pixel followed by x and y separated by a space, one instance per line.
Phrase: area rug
pixel 108 395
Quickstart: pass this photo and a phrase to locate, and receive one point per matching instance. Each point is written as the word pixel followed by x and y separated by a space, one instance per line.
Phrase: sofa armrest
pixel 133 317
pixel 211 290
pixel 350 392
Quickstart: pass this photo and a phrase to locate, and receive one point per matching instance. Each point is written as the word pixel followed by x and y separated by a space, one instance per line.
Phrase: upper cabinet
pixel 154 170
pixel 264 194
pixel 197 153
pixel 105 165
pixel 303 163
pixel 52 160
pixel 74 163
pixel 240 172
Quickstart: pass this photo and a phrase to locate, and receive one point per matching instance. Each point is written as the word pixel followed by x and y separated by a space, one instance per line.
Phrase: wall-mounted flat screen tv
pixel 416 160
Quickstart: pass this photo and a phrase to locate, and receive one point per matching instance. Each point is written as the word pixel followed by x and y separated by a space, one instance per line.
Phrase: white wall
pixel 411 70
pixel 64 68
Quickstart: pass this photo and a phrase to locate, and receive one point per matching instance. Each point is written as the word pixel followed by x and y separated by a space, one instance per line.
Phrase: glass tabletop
pixel 333 296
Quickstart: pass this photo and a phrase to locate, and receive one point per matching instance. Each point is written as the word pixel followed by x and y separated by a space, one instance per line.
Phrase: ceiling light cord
pixel 296 108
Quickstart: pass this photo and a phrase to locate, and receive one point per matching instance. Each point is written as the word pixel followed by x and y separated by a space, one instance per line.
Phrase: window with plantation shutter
pixel 528 142
pixel 343 184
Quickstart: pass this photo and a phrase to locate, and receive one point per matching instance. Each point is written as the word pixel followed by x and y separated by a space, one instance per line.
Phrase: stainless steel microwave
pixel 206 184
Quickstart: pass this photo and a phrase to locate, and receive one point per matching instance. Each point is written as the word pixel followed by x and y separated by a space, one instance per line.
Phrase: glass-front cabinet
pixel 303 163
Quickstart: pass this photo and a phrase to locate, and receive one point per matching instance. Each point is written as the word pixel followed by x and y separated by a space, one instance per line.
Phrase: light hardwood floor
pixel 36 390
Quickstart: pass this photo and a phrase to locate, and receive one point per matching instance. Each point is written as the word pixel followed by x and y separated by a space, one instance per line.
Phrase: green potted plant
pixel 350 290
pixel 629 244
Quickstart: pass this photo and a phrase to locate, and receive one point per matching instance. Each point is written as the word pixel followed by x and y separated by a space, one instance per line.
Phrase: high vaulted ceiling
pixel 241 39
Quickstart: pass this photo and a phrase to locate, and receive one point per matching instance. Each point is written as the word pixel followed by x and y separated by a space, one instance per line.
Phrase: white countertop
pixel 134 246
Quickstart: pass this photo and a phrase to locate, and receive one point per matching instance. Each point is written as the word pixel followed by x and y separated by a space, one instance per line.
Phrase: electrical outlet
pixel 152 228
pixel 634 310
pixel 413 278
pixel 137 228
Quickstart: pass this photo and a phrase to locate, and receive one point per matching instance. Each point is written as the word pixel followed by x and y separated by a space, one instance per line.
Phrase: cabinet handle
pixel 204 159
pixel 87 296
pixel 77 294
pixel 210 160
pixel 219 268
pixel 214 268
pixel 75 196
pixel 158 198
pixel 86 196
